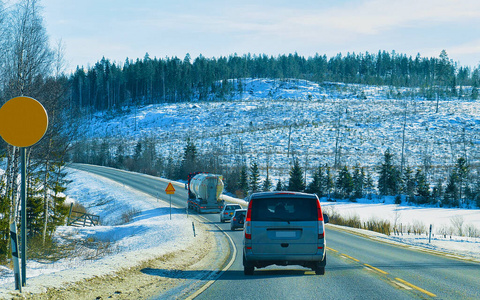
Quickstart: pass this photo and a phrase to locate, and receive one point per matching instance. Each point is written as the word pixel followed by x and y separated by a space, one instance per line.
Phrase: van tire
pixel 320 266
pixel 320 270
pixel 248 270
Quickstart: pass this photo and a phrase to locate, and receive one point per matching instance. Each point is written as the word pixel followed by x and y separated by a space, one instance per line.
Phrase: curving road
pixel 357 267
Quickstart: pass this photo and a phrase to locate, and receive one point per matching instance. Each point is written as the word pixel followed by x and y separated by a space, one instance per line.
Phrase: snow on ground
pixel 445 222
pixel 150 234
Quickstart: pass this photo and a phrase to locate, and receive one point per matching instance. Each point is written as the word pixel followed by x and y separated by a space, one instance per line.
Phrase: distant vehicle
pixel 204 192
pixel 284 228
pixel 238 219
pixel 227 212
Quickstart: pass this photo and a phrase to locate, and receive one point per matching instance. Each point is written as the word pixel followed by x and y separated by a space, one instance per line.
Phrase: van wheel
pixel 320 270
pixel 248 270
pixel 320 266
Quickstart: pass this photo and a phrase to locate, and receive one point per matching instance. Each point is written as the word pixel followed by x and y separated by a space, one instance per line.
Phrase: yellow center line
pixel 376 269
pixel 352 258
pixel 415 287
pixel 332 249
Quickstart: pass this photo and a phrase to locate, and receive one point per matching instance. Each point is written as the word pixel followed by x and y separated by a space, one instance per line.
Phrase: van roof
pixel 281 194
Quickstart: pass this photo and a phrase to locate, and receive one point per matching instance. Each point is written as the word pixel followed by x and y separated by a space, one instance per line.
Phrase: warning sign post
pixel 170 190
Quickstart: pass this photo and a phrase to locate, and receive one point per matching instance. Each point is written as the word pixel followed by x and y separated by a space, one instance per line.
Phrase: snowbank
pixel 150 234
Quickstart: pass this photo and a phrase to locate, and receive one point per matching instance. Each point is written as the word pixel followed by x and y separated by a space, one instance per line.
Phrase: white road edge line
pixel 209 283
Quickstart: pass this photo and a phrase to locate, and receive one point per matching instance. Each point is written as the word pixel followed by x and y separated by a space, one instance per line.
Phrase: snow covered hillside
pixel 260 124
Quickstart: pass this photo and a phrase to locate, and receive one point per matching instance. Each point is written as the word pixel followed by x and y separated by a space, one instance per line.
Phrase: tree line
pixel 344 182
pixel 108 85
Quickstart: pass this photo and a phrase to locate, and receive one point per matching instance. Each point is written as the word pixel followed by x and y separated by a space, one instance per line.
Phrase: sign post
pixel 23 122
pixel 170 190
pixel 16 265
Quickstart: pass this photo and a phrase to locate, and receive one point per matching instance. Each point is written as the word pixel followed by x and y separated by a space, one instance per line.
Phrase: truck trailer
pixel 204 190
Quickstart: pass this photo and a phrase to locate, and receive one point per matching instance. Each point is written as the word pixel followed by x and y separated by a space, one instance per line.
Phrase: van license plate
pixel 285 234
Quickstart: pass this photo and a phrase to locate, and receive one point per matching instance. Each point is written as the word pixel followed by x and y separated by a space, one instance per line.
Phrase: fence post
pixel 430 234
pixel 69 214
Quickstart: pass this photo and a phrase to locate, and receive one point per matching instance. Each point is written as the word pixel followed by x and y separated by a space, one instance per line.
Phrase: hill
pixel 274 121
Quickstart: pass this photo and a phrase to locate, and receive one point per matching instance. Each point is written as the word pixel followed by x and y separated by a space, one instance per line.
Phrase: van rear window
pixel 284 209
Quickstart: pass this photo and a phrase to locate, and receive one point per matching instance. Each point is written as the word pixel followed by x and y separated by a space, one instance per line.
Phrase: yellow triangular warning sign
pixel 170 189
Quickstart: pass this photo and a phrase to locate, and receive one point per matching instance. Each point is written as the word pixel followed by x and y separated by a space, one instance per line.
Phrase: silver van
pixel 284 228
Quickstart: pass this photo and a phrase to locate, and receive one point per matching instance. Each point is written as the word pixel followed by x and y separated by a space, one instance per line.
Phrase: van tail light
pixel 248 220
pixel 321 229
pixel 248 231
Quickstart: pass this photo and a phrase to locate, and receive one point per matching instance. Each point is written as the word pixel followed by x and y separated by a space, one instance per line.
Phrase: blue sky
pixel 117 29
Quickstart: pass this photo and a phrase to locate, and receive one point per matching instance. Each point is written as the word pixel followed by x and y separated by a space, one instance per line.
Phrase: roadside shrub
pixel 381 226
pixel 128 215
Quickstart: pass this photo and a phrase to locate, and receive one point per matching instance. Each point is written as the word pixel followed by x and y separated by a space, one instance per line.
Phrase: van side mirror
pixel 325 219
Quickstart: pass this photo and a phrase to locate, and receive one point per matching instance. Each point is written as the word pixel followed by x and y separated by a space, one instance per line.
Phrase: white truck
pixel 204 190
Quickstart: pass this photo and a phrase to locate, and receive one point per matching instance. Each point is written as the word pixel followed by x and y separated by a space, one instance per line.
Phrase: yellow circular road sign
pixel 23 121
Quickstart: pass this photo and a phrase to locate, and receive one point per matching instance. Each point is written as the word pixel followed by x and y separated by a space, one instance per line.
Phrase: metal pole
pixel 170 206
pixel 24 217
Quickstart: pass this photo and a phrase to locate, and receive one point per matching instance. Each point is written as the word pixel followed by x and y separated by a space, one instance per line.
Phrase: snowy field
pixel 446 223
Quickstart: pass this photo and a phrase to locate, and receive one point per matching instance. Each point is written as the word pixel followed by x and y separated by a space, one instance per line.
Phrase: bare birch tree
pixel 26 63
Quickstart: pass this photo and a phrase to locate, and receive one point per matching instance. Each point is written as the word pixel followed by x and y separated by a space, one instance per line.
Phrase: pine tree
pixel 267 184
pixel 358 182
pixel 437 192
pixel 423 188
pixel 279 186
pixel 389 179
pixel 189 162
pixel 328 182
pixel 451 190
pixel 344 183
pixel 243 183
pixel 409 184
pixel 254 182
pixel 314 186
pixel 296 182
pixel 369 186
pixel 462 171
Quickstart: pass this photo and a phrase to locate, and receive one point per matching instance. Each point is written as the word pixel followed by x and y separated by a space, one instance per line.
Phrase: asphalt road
pixel 358 267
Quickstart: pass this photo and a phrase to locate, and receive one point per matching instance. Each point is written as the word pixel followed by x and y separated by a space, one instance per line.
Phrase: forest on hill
pixel 109 85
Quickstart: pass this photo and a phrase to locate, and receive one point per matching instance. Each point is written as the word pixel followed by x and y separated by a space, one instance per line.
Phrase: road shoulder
pixel 168 276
